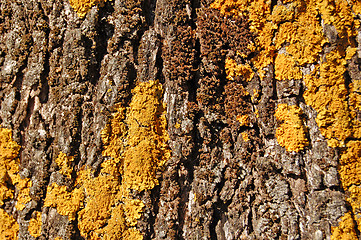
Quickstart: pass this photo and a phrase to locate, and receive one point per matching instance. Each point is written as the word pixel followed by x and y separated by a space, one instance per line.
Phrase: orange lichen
pixel 23 197
pixel 65 164
pixel 282 13
pixel 147 148
pixel 244 120
pixel 82 7
pixel 356 6
pixel 303 37
pixel 350 164
pixel 245 136
pixel 66 202
pixel 355 202
pixel 291 134
pixel 345 230
pixel 9 171
pixel 35 223
pixel 233 69
pixel 286 69
pixel 9 228
pixel 327 94
pixel 135 147
pixel 350 52
pixel 8 164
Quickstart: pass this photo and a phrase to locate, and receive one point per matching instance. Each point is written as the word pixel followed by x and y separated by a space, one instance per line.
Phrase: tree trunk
pixel 180 119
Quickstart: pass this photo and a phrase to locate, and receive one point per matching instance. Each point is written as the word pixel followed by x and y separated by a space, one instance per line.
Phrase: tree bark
pixel 236 169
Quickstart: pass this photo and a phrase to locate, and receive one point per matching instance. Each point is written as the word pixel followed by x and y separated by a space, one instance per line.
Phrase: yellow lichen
pixel 355 201
pixel 327 94
pixel 244 120
pixel 147 148
pixel 9 228
pixel 350 164
pixel 350 52
pixel 303 37
pixel 282 13
pixel 65 164
pixel 35 223
pixel 233 69
pixel 245 136
pixel 23 197
pixel 345 230
pixel 135 147
pixel 133 209
pixel 82 7
pixel 286 69
pixel 66 202
pixel 291 134
pixel 8 164
pixel 9 171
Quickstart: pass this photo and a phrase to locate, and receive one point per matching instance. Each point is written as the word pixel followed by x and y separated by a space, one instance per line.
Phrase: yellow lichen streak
pixel 244 120
pixel 67 203
pixel 82 7
pixel 286 69
pixel 345 230
pixel 9 178
pixel 8 164
pixel 291 134
pixel 9 228
pixel 35 225
pixel 135 147
pixel 147 147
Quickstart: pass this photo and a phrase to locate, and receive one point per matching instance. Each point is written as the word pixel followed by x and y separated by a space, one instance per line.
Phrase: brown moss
pixel 180 57
pixel 218 34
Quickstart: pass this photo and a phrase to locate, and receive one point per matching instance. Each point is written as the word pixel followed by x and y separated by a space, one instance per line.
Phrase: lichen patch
pixel 291 134
pixel 35 223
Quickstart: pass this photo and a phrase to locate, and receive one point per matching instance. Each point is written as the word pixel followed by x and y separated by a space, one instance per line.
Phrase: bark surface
pixel 228 177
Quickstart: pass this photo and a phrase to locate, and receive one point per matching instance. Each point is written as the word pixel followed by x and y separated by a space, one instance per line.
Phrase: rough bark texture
pixel 60 81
